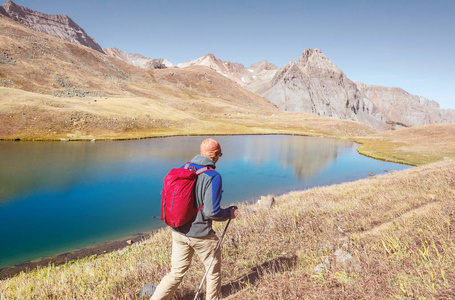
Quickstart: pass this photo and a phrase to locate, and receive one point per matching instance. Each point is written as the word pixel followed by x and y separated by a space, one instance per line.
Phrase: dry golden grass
pixel 416 145
pixel 41 63
pixel 32 116
pixel 398 228
pixel 131 102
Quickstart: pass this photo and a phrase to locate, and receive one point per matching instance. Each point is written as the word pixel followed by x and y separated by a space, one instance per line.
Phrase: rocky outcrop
pixel 405 109
pixel 315 85
pixel 447 116
pixel 234 71
pixel 60 26
pixel 138 59
pixel 259 72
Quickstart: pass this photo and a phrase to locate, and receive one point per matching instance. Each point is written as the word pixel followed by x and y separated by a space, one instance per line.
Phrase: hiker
pixel 198 235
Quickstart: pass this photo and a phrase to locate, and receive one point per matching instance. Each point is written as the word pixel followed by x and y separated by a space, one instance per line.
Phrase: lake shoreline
pixel 170 135
pixel 92 250
pixel 63 258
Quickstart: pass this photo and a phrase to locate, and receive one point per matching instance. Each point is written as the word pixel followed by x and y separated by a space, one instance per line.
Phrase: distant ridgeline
pixel 311 84
pixel 60 26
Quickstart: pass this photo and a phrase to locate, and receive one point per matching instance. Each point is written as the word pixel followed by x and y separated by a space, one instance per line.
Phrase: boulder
pixel 340 259
pixel 266 202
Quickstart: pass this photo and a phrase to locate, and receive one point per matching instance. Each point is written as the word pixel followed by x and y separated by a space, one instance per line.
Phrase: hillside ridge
pixel 60 26
pixel 311 84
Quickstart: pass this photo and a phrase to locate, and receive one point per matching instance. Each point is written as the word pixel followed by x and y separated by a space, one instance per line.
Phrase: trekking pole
pixel 214 254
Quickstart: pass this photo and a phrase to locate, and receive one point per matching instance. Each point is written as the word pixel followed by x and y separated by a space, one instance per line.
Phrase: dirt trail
pixel 376 230
pixel 231 289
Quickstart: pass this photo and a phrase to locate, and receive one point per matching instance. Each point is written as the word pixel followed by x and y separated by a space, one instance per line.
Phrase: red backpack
pixel 178 203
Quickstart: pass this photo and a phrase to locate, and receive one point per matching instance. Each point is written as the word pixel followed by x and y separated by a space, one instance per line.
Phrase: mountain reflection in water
pixel 60 196
pixel 306 155
pixel 28 166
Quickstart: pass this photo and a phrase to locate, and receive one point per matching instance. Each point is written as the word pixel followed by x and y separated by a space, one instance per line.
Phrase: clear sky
pixel 402 43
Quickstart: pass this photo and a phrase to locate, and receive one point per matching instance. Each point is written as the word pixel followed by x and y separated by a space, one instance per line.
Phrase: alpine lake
pixel 57 197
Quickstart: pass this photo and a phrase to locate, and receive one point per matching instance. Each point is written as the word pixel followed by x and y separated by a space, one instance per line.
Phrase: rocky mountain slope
pixel 60 26
pixel 40 63
pixel 139 60
pixel 234 71
pixel 314 84
pixel 404 108
pixel 53 89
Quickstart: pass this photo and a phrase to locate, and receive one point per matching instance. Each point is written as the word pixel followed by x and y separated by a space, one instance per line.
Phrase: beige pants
pixel 183 249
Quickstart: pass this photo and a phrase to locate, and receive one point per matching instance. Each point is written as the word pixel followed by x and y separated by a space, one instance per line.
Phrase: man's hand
pixel 234 211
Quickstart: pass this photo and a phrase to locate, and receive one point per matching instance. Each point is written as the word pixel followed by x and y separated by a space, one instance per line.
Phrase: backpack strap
pixel 202 170
pixel 198 172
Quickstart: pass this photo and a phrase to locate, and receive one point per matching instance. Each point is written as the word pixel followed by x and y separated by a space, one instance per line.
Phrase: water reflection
pixel 29 166
pixel 57 196
pixel 306 155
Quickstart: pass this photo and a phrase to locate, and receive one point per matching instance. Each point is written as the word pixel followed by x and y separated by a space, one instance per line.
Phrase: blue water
pixel 57 197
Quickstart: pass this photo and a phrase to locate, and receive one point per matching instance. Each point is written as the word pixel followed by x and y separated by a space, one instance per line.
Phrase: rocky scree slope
pixel 40 63
pixel 311 84
pixel 139 60
pixel 315 85
pixel 234 71
pixel 60 26
pixel 405 109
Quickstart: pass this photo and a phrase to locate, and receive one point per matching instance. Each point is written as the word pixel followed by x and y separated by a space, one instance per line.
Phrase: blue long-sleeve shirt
pixel 209 189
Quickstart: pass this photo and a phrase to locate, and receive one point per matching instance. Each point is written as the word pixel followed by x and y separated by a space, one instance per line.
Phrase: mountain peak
pixel 263 65
pixel 314 61
pixel 232 70
pixel 312 54
pixel 60 26
pixel 139 60
pixel 313 84
pixel 210 55
pixel 8 6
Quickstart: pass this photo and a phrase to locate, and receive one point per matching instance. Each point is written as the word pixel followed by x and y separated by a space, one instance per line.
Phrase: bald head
pixel 210 148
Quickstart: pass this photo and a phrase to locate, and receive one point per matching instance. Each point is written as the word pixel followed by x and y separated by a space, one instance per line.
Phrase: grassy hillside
pixel 26 115
pixel 41 63
pixel 415 145
pixel 51 89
